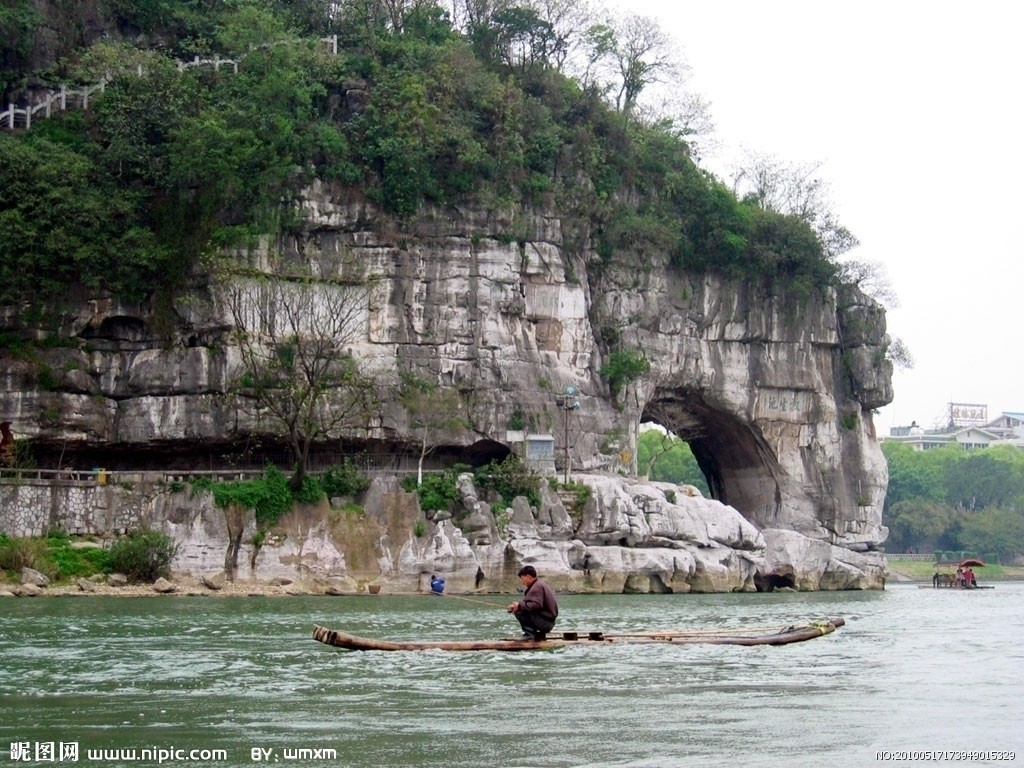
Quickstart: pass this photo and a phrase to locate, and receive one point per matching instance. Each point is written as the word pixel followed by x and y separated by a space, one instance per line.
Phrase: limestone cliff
pixel 627 537
pixel 773 390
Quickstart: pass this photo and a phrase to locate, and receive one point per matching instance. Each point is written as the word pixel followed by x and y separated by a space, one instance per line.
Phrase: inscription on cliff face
pixel 549 335
pixel 781 402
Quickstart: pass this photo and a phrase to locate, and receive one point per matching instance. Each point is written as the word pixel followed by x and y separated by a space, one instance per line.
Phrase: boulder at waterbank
pixel 625 569
pixel 34 577
pixel 656 570
pixel 560 563
pixel 640 514
pixel 164 587
pixel 214 581
pixel 794 560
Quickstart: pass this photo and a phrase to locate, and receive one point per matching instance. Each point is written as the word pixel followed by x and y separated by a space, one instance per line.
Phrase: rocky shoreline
pixel 180 586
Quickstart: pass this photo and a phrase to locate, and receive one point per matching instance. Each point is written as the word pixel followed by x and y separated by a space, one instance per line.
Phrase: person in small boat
pixel 538 610
pixel 969 580
pixel 436 584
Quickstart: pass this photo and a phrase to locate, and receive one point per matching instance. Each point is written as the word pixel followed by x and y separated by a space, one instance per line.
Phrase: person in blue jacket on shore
pixel 436 584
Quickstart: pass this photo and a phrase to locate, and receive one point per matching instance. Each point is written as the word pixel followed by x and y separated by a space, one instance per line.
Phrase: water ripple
pixel 235 674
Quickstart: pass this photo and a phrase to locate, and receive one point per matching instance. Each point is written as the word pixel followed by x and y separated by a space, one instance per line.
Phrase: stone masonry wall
pixel 32 506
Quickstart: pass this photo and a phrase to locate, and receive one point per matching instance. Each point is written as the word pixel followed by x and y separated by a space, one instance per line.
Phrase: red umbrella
pixel 971 563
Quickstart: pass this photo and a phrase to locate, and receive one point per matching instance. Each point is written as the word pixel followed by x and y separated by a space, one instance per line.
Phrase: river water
pixel 913 670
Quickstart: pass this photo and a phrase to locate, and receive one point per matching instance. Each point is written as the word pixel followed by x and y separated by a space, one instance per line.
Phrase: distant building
pixel 963 428
pixel 1010 423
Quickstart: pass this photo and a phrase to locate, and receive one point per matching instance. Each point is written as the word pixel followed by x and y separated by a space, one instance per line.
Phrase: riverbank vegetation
pixel 498 482
pixel 948 500
pixel 141 556
pixel 953 499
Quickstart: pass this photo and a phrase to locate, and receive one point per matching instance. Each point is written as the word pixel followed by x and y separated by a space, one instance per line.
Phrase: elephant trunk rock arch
pixel 741 468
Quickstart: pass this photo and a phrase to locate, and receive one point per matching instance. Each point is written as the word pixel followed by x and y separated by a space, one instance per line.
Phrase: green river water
pixel 239 681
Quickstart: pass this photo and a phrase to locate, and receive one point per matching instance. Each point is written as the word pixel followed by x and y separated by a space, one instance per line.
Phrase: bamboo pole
pixel 454 597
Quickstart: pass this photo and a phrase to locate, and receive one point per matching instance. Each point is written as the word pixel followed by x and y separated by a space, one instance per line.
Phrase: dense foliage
pixel 952 499
pixel 53 556
pixel 623 366
pixel 268 496
pixel 509 478
pixel 666 458
pixel 143 555
pixel 271 495
pixel 16 554
pixel 438 491
pixel 344 480
pixel 497 481
pixel 73 562
pixel 18 21
pixel 66 222
pixel 171 164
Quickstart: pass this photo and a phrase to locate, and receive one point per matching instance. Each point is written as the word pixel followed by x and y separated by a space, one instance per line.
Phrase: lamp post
pixel 567 402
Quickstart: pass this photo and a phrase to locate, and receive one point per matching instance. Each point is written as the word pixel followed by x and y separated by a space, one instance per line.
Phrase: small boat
pixel 782 636
pixel 945 577
pixel 956 587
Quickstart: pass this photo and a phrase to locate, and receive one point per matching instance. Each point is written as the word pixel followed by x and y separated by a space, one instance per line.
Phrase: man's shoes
pixel 526 636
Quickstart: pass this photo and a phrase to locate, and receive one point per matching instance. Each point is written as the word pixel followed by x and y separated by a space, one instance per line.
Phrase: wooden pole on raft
pixel 454 597
pixel 468 600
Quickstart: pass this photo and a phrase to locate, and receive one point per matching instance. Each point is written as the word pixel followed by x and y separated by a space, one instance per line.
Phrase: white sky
pixel 915 109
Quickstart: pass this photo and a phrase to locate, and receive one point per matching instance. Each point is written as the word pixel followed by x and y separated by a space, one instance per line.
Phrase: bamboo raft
pixel 783 636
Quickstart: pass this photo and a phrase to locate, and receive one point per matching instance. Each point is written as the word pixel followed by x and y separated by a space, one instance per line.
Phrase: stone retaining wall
pixel 32 506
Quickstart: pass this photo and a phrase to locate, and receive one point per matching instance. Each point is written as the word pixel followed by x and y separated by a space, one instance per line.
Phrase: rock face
pixel 773 389
pixel 627 536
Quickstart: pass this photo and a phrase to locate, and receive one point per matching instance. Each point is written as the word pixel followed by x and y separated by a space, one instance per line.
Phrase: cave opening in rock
pixel 255 453
pixel 737 463
pixel 769 582
pixel 479 454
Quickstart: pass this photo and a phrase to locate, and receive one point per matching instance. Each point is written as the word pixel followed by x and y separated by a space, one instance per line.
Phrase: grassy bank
pixel 922 570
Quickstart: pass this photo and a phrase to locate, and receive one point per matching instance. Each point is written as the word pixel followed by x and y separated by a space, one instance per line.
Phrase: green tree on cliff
pixel 627 55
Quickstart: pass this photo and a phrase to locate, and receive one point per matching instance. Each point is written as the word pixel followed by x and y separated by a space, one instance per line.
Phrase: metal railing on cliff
pixel 369 465
pixel 64 97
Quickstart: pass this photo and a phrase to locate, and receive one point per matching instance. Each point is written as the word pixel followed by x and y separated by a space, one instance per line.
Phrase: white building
pixel 1008 429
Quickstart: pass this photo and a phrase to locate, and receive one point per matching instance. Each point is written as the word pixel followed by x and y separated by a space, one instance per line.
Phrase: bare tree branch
pixel 630 54
pixel 296 369
pixel 793 190
pixel 872 278
pixel 434 413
